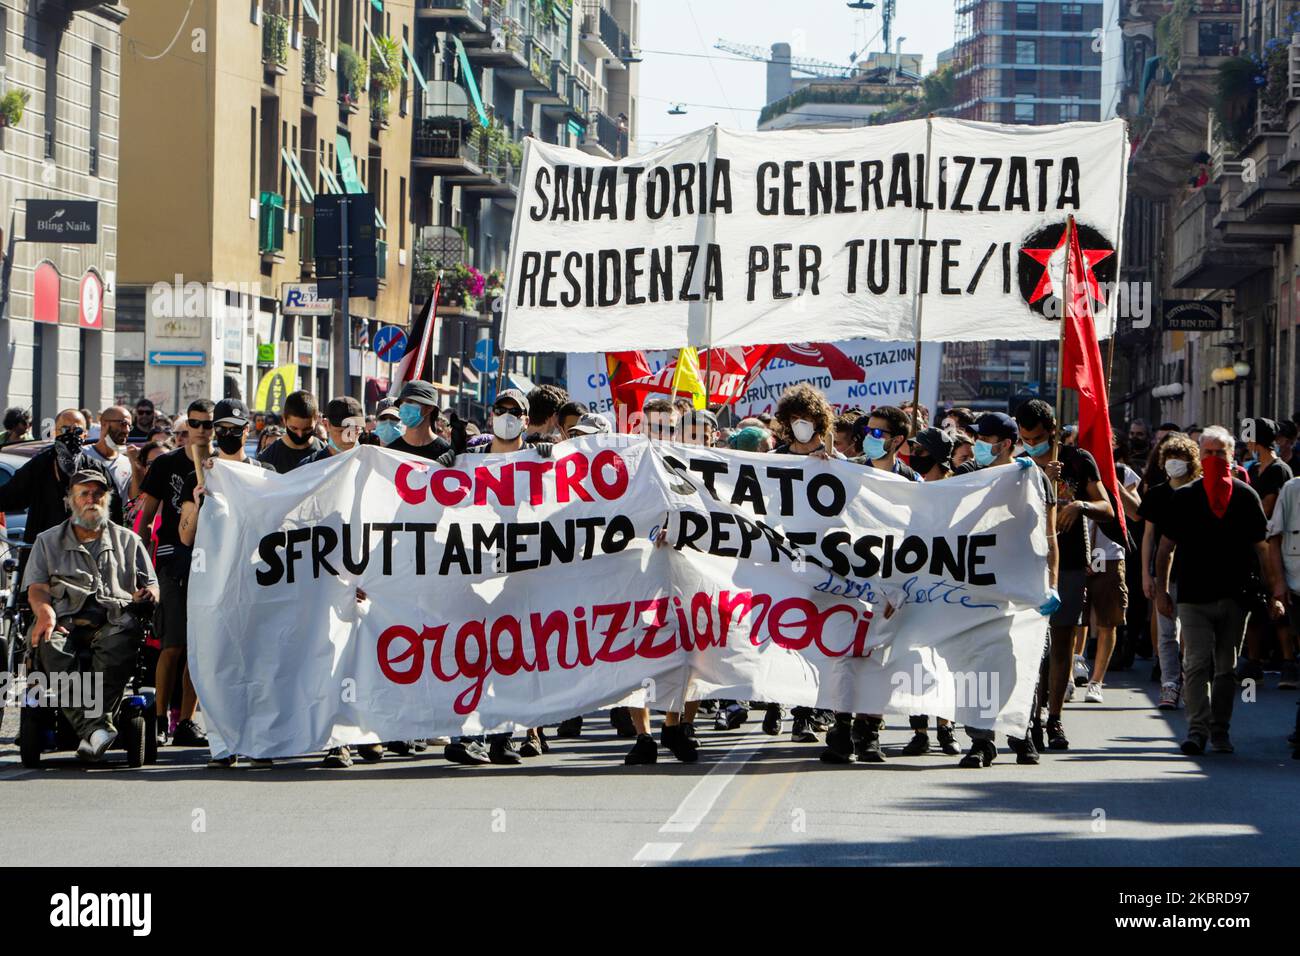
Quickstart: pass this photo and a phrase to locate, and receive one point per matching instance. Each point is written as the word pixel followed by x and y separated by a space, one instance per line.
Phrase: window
pixel 1026 51
pixel 252 153
pixel 401 212
pixel 1026 16
pixel 1072 52
pixel 1072 16
pixel 1024 110
pixel 1215 38
pixel 1069 112
pixel 51 105
pixel 1026 81
pixel 96 86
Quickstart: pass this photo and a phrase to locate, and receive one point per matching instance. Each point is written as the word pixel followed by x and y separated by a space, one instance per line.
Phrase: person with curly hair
pixel 805 419
pixel 544 404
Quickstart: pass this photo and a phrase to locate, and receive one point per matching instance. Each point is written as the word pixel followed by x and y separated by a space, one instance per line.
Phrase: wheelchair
pixel 43 729
pixel 15 616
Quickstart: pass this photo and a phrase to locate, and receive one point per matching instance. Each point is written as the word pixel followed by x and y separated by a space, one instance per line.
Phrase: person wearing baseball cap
pixel 344 422
pixel 932 453
pixel 388 423
pixel 417 409
pixel 591 423
pixel 82 578
pixel 699 427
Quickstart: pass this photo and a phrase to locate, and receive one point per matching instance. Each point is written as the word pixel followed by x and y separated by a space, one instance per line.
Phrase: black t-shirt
pixel 165 480
pixel 139 435
pixel 284 459
pixel 434 449
pixel 1078 470
pixel 1043 485
pixel 1215 557
pixel 1269 481
pixel 1155 505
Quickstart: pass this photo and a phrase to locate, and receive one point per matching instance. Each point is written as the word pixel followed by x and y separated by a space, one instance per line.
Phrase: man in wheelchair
pixel 82 579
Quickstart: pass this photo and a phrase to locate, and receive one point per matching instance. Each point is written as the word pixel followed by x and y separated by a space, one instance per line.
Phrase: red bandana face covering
pixel 1218 484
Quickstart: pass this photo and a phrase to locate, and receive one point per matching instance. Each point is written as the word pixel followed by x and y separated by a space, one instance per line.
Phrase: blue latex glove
pixel 1049 606
pixel 1026 463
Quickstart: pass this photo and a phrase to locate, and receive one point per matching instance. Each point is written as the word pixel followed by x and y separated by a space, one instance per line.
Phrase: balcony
pixel 594 41
pixel 446 149
pixel 270 227
pixel 1201 258
pixel 554 98
pixel 275 43
pixel 315 66
pixel 530 71
pixel 307 246
pixel 468 19
pixel 502 48
pixel 604 138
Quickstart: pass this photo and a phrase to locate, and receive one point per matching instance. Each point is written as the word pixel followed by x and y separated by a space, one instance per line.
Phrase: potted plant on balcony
pixel 494 289
pixel 1236 88
pixel 352 77
pixel 385 76
pixel 275 42
pixel 1276 70
pixel 12 105
pixel 462 287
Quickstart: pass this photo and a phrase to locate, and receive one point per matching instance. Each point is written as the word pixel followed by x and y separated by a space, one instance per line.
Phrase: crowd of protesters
pixel 1201 578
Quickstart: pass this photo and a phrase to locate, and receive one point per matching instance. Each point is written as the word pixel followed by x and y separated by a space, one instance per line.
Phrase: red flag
pixel 730 373
pixel 410 367
pixel 625 370
pixel 821 355
pixel 1081 370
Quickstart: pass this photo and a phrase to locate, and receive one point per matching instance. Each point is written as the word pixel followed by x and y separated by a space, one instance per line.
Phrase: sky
pixel 717 87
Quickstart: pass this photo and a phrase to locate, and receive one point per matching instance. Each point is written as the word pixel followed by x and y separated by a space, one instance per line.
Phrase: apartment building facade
pixel 1212 95
pixel 237 114
pixel 59 136
pixel 498 72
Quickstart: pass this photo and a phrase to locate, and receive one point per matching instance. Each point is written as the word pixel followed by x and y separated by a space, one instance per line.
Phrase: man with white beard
pixel 81 579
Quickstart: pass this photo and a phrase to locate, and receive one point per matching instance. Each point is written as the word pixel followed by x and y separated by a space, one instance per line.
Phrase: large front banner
pixel 515 591
pixel 725 238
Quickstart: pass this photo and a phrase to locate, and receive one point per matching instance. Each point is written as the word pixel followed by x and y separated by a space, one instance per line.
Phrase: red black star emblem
pixel 1041 268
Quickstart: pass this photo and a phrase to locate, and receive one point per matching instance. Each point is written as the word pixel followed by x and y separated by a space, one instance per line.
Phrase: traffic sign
pixel 390 343
pixel 178 358
pixel 484 361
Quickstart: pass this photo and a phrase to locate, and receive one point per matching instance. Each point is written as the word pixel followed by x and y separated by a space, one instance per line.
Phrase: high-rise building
pixel 235 116
pixel 1029 61
pixel 59 136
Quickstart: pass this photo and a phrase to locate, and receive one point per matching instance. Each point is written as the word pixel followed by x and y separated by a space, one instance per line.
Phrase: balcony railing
pixel 315 65
pixel 612 139
pixel 275 42
pixel 539 61
pixel 270 224
pixel 472 7
pixel 610 34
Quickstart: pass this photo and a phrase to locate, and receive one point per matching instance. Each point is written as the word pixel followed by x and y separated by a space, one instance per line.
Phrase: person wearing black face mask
pixel 299 441
pixel 40 487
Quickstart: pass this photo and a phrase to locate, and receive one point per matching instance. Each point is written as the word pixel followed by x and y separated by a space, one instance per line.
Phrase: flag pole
pixel 1060 344
pixel 918 305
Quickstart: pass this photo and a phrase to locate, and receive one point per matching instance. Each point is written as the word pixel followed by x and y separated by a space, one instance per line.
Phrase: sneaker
pixel 1056 739
pixel 1036 733
pixel 1024 749
pixel 822 721
pixel 1290 678
pixel 532 745
pixel 772 718
pixel 801 731
pixel 1168 697
pixel 620 718
pixel 839 744
pixel 504 751
pixel 731 717
pixel 188 735
pixel 469 752
pixel 981 754
pixel 371 753
pixel 643 751
pixel 1194 745
pixel 1094 692
pixel 1248 669
pixel 866 740
pixel 259 763
pixel 948 740
pixel 1081 672
pixel 100 741
pixel 223 763
pixel 918 746
pixel 86 751
pixel 681 746
pixel 569 729
pixel 1220 742
pixel 401 748
pixel 437 742
pixel 339 758
pixel 420 744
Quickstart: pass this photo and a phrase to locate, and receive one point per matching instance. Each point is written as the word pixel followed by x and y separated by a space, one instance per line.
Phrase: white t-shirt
pixel 1110 550
pixel 1286 522
pixel 119 467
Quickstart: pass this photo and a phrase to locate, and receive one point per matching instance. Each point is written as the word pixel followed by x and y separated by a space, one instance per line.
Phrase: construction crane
pixel 798 64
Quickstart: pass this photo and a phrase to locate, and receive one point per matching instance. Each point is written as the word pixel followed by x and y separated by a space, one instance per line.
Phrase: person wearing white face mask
pixel 111 448
pixel 1179 458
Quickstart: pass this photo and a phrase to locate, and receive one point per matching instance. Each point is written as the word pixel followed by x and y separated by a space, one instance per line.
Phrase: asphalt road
pixel 1122 795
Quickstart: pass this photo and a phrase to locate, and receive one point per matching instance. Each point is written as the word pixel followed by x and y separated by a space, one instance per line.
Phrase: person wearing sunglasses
pixel 162 493
pixel 881 435
pixel 111 449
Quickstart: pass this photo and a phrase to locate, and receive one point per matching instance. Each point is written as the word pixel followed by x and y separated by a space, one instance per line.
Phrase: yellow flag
pixel 686 378
pixel 274 387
